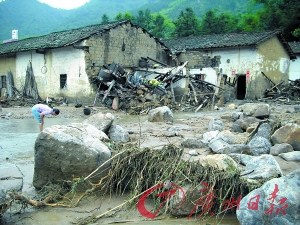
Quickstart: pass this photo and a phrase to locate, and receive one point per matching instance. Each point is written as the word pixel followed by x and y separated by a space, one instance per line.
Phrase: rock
pixel 208 136
pixel 262 167
pixel 64 152
pixel 246 122
pixel 296 108
pixel 259 145
pixel 276 202
pixel 11 179
pixel 232 138
pixel 221 162
pixel 259 110
pixel 218 145
pixel 239 148
pixel 281 148
pixel 241 158
pixel 262 112
pixel 192 143
pixel 118 134
pixel 264 130
pixel 236 128
pixel 290 133
pixel 291 156
pixel 161 114
pixel 101 121
pixel 215 124
pixel 237 115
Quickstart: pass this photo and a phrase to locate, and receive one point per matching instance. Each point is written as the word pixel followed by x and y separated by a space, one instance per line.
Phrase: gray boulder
pixel 281 148
pixel 246 122
pixel 259 145
pixel 291 156
pixel 218 145
pixel 258 110
pixel 276 202
pixel 262 167
pixel 193 143
pixel 241 158
pixel 118 134
pixel 64 152
pixel 264 130
pixel 101 121
pixel 215 124
pixel 161 114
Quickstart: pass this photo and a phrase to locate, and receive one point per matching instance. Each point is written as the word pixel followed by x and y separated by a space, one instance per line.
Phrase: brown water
pixel 17 138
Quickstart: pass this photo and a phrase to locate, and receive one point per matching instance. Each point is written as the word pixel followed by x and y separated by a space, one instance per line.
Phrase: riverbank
pixel 19 131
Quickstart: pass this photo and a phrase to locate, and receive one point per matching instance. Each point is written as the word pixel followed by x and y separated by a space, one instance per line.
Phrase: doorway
pixel 241 86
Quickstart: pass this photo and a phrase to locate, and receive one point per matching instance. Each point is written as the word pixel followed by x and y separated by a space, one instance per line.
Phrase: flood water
pixel 17 138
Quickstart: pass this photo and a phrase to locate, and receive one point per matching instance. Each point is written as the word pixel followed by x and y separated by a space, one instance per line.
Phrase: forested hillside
pixel 164 19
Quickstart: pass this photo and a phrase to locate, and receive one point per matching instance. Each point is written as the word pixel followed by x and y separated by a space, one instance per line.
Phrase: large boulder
pixel 101 121
pixel 259 145
pixel 118 134
pixel 220 162
pixel 215 124
pixel 276 202
pixel 262 167
pixel 258 110
pixel 290 133
pixel 160 114
pixel 291 156
pixel 281 148
pixel 64 152
pixel 247 122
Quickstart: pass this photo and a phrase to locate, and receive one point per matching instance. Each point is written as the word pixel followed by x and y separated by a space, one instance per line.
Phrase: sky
pixel 64 4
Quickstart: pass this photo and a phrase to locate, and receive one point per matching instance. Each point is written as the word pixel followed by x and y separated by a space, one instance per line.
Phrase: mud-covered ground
pixel 155 135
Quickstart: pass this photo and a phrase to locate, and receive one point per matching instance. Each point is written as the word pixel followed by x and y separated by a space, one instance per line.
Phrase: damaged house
pixel 294 71
pixel 62 64
pixel 249 63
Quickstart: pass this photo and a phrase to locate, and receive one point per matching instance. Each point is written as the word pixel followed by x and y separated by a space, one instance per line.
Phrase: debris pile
pixel 140 90
pixel 282 91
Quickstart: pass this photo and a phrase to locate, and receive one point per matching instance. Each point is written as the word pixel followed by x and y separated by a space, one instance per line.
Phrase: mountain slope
pixel 32 18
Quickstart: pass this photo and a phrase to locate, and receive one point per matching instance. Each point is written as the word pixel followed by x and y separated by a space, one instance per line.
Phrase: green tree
pixel 159 28
pixel 283 14
pixel 186 24
pixel 128 16
pixel 119 17
pixel 144 19
pixel 250 22
pixel 209 23
pixel 104 19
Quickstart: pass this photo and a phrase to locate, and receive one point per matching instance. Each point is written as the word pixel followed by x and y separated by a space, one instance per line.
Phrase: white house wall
pixel 269 57
pixel 294 71
pixel 48 68
pixel 237 61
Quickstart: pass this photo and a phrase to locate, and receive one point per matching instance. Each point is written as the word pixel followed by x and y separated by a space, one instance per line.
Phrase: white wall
pixel 237 61
pixel 210 75
pixel 294 71
pixel 47 69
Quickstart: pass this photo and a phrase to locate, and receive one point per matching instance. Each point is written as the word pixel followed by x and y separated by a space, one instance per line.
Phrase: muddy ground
pixel 155 135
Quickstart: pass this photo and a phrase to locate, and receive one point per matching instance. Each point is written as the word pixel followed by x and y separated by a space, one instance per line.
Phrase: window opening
pixel 63 81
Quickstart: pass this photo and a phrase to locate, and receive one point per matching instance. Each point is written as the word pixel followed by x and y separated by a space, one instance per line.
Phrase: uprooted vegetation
pixel 136 171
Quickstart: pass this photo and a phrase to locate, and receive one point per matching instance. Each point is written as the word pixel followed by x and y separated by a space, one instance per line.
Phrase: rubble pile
pixel 284 92
pixel 141 90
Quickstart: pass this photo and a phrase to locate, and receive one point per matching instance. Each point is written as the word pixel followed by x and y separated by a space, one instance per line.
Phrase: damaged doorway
pixel 241 86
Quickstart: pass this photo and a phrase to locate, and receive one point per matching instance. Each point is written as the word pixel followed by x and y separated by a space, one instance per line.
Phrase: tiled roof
pixel 59 39
pixel 227 40
pixel 295 46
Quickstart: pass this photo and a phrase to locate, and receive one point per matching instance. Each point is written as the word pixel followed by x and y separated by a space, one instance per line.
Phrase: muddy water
pixel 17 138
